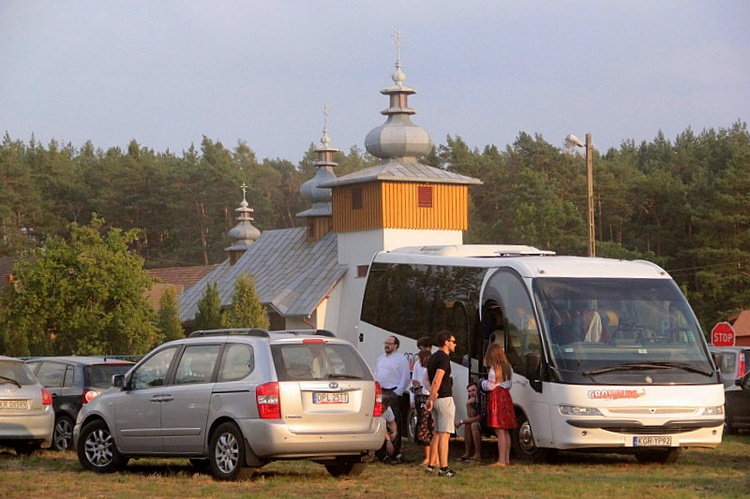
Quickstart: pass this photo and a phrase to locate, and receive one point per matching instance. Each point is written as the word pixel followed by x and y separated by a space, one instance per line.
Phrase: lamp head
pixel 573 141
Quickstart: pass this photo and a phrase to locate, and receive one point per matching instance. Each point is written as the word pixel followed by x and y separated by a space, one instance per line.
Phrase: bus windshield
pixel 619 330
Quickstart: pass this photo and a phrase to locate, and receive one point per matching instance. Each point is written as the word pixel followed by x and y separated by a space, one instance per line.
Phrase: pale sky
pixel 166 73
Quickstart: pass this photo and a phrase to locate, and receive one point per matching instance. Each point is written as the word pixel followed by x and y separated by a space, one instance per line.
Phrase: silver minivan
pixel 235 400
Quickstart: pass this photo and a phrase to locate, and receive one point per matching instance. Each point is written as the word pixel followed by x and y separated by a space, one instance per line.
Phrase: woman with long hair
pixel 501 415
pixel 420 391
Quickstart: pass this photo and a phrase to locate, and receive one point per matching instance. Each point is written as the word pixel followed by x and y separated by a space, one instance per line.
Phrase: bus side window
pixel 492 329
pixel 523 346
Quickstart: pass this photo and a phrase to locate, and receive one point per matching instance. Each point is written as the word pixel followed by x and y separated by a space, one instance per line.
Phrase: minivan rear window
pixel 318 360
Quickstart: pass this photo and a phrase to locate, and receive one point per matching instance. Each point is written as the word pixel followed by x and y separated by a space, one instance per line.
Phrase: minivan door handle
pixel 162 398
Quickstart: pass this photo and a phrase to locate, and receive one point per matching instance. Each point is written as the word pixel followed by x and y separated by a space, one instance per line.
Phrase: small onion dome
pixel 244 232
pixel 398 137
pixel 320 197
pixel 312 193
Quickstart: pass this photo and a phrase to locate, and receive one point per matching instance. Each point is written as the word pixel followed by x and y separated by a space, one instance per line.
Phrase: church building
pixel 313 277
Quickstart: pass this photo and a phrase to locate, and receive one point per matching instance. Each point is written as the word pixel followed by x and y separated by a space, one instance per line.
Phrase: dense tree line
pixel 684 204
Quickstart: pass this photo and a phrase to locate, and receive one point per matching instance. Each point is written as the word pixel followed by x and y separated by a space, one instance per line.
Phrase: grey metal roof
pixel 402 170
pixel 291 275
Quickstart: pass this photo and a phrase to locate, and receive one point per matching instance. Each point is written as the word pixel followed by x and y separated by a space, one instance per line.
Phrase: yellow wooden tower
pixel 400 192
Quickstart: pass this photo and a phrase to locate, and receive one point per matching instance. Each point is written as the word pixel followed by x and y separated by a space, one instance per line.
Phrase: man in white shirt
pixel 392 372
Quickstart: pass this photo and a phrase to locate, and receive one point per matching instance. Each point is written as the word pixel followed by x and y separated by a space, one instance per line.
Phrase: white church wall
pixel 357 249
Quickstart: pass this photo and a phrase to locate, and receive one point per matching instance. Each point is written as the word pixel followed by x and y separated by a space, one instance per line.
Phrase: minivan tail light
pixel 378 409
pixel 267 397
pixel 88 395
pixel 46 397
pixel 741 367
pixel 314 341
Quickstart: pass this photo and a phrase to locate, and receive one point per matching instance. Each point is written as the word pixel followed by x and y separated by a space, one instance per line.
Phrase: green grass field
pixel 714 473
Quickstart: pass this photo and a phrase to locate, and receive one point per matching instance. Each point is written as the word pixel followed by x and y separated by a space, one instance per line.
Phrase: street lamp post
pixel 573 141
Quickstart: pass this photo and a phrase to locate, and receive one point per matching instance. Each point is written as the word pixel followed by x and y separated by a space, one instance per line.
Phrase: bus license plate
pixel 652 441
pixel 330 398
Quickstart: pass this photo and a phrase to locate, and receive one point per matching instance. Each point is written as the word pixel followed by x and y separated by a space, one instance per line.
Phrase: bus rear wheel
pixel 524 445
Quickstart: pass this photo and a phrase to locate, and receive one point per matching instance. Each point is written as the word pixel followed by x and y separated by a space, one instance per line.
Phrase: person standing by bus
pixel 420 391
pixel 441 402
pixel 392 372
pixel 501 415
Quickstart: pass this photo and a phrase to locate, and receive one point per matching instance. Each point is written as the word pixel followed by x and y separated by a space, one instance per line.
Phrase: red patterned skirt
pixel 500 412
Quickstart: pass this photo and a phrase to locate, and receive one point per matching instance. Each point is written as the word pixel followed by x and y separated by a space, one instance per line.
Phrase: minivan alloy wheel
pixel 97 450
pixel 227 453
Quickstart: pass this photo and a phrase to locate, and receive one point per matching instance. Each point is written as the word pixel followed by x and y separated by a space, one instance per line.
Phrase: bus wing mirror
pixel 717 359
pixel 533 365
pixel 534 370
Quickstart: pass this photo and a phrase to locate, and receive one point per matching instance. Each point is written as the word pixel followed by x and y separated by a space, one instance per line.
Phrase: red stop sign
pixel 722 335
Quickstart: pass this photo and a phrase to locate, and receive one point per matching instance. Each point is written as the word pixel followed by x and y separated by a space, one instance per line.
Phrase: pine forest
pixel 683 203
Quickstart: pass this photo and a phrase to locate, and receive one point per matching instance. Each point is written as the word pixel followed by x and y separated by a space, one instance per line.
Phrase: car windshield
pixel 100 375
pixel 318 360
pixel 602 330
pixel 16 373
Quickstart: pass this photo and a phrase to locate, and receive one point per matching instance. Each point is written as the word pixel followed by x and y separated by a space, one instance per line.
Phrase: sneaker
pixel 429 468
pixel 446 472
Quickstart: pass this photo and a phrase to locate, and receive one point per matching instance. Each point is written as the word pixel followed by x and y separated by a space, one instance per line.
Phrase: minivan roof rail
pixel 260 333
pixel 314 332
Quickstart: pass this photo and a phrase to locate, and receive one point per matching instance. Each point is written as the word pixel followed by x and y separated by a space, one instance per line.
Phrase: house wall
pixel 296 323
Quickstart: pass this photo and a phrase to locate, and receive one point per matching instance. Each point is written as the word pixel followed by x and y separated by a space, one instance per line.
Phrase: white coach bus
pixel 607 354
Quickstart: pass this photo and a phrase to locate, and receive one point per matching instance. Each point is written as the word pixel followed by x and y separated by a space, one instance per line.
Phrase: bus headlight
pixel 574 410
pixel 713 411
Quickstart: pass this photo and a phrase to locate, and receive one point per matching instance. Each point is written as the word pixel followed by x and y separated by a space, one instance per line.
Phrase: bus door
pixel 506 296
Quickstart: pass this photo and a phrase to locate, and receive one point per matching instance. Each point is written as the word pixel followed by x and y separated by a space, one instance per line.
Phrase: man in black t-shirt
pixel 441 402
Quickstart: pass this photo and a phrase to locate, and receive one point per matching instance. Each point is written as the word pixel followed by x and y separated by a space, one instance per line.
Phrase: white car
pixel 235 400
pixel 27 418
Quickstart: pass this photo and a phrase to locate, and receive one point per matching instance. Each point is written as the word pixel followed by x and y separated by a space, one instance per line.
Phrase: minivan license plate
pixel 330 398
pixel 652 441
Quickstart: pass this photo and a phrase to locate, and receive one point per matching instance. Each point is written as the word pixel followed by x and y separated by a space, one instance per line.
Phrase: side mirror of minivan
pixel 118 380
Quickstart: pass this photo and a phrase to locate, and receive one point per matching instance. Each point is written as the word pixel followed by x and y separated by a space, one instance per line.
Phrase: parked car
pixel 26 413
pixel 742 399
pixel 74 381
pixel 235 400
pixel 734 363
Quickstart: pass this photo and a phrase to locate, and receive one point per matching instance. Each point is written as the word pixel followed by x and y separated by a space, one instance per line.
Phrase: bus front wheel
pixel 524 445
